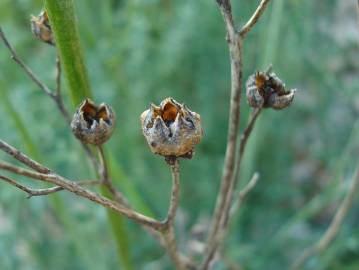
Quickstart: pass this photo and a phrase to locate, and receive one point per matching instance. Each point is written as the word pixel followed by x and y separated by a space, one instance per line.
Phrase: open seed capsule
pixel 267 90
pixel 93 124
pixel 171 129
pixel 41 28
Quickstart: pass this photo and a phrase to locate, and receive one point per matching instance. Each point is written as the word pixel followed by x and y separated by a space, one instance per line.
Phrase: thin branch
pixel 226 11
pixel 30 191
pixel 27 173
pixel 18 170
pixel 245 136
pixel 23 158
pixel 27 70
pixel 106 180
pixel 255 17
pixel 242 146
pixel 174 194
pixel 243 193
pixel 44 174
pixel 78 190
pixel 58 96
pixel 91 156
pixel 168 232
pixel 334 226
pixel 58 76
pixel 223 217
pixel 226 187
pixel 43 191
pixel 55 96
pixel 171 246
pixel 51 177
pixel 222 233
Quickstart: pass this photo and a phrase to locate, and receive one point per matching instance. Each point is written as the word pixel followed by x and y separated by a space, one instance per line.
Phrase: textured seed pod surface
pixel 93 124
pixel 267 90
pixel 41 28
pixel 171 129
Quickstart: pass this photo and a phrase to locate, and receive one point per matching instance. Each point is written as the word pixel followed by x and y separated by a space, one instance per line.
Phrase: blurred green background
pixel 142 51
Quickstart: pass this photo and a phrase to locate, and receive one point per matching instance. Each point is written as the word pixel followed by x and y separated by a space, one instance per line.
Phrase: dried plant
pixel 171 130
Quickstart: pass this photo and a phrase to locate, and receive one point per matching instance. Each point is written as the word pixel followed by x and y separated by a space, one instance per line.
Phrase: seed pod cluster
pixel 93 124
pixel 267 90
pixel 171 129
pixel 41 28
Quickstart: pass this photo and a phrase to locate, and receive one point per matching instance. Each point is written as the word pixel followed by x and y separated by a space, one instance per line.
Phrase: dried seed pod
pixel 171 129
pixel 41 28
pixel 267 90
pixel 93 124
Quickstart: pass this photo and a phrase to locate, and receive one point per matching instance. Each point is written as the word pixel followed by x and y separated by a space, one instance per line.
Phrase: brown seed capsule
pixel 171 129
pixel 41 28
pixel 267 90
pixel 93 124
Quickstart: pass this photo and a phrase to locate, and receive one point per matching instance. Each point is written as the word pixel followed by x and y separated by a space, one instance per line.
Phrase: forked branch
pixel 46 175
pixel 31 192
pixel 255 17
pixel 228 180
pixel 54 95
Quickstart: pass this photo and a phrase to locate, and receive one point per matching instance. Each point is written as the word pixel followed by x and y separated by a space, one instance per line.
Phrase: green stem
pixel 62 17
pixel 63 23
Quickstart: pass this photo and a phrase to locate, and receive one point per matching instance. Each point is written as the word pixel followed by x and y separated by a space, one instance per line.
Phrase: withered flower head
pixel 41 28
pixel 171 129
pixel 267 90
pixel 93 124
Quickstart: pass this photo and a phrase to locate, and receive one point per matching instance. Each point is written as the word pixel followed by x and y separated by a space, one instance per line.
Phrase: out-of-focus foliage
pixel 142 51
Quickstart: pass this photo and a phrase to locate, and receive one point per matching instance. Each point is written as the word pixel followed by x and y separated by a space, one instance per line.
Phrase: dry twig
pixel 54 95
pixel 235 49
pixel 47 176
pixel 228 181
pixel 168 230
pixel 334 226
pixel 255 17
pixel 58 96
pixel 12 151
pixel 236 205
pixel 43 191
pixel 44 174
pixel 243 193
pixel 106 180
pixel 225 214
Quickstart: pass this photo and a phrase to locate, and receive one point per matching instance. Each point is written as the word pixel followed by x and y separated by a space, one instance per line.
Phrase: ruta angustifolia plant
pixel 170 129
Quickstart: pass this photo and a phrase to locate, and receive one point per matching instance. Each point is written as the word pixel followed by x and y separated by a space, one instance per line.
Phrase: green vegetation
pixel 137 52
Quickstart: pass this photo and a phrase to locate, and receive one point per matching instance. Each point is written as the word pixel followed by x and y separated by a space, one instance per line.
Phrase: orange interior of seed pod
pixel 169 112
pixel 102 113
pixel 45 16
pixel 260 80
pixel 89 109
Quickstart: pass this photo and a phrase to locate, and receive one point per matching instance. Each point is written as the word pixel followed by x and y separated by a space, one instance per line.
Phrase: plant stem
pixel 168 231
pixel 62 18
